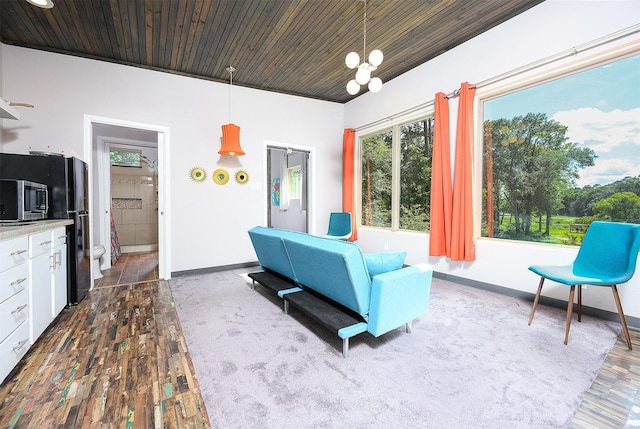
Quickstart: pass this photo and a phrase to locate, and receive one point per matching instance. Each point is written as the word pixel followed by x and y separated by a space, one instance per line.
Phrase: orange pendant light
pixel 231 132
pixel 231 141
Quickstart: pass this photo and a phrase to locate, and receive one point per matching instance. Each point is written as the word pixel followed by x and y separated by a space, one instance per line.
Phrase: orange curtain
pixel 441 193
pixel 348 177
pixel 462 245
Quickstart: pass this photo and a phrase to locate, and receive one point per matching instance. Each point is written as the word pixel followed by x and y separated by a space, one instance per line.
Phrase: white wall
pixel 208 221
pixel 545 30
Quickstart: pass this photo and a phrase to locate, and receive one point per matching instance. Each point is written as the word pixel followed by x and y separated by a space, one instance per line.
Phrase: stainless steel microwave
pixel 22 200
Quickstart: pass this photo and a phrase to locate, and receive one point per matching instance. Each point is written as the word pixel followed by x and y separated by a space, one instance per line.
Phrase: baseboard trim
pixel 214 269
pixel 632 322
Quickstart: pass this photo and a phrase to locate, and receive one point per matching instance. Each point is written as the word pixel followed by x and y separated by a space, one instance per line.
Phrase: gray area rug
pixel 470 362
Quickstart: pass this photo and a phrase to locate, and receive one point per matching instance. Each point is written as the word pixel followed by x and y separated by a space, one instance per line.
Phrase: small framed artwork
pixel 275 191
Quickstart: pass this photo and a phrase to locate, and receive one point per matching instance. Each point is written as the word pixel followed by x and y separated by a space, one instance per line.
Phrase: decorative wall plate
pixel 242 177
pixel 221 176
pixel 197 174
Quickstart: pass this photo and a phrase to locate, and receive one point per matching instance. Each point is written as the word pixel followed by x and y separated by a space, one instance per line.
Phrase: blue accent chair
pixel 339 226
pixel 607 257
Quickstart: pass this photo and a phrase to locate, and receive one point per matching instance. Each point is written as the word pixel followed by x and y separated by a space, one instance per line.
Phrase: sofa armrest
pixel 398 297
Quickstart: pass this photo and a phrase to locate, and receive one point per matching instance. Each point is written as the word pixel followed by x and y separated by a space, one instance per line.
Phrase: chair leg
pixel 579 303
pixel 569 313
pixel 622 319
pixel 536 299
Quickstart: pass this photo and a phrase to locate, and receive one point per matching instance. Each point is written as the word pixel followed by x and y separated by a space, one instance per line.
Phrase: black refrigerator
pixel 67 183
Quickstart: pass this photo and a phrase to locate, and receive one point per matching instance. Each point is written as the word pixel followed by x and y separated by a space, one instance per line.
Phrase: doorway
pixel 288 176
pixel 151 141
pixel 129 193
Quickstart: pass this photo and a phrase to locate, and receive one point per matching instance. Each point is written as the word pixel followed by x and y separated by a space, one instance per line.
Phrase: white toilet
pixel 98 251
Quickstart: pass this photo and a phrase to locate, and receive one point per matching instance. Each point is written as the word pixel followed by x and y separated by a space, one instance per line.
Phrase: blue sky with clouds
pixel 600 107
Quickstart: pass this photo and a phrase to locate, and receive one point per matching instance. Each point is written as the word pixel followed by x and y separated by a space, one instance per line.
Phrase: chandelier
pixel 363 72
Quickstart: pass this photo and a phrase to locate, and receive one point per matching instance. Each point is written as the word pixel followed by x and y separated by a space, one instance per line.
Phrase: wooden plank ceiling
pixel 290 46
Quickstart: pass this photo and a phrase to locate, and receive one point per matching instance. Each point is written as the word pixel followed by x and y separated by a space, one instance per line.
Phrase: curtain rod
pixel 573 51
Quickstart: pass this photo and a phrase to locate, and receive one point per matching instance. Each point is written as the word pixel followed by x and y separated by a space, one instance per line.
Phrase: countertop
pixel 12 231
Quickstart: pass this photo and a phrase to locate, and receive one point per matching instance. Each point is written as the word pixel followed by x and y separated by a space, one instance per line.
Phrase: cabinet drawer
pixel 13 348
pixel 13 312
pixel 13 281
pixel 13 252
pixel 59 237
pixel 40 243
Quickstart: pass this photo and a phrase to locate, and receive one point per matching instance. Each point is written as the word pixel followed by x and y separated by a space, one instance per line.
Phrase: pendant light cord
pixel 230 69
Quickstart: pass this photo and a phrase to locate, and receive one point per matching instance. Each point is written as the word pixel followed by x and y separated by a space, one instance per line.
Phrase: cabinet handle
pixel 18 252
pixel 58 257
pixel 45 243
pixel 19 309
pixel 17 282
pixel 52 258
pixel 63 239
pixel 20 345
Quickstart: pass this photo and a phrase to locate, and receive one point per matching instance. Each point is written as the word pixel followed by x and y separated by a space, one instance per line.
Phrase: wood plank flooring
pixel 613 401
pixel 131 268
pixel 119 360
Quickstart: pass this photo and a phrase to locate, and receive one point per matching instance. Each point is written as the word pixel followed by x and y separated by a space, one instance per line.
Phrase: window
pixel 125 158
pixel 561 154
pixel 376 155
pixel 396 177
pixel 295 182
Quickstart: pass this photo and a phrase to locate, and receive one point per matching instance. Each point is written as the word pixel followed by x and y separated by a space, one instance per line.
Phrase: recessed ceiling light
pixel 45 4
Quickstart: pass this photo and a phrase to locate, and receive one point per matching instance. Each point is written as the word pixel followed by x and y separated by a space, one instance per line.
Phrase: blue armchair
pixel 339 226
pixel 607 257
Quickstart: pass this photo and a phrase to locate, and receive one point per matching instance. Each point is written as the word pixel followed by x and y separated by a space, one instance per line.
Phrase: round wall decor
pixel 197 174
pixel 221 176
pixel 242 177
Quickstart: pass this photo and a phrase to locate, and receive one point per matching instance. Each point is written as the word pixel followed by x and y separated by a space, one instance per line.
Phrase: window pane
pixel 295 183
pixel 131 159
pixel 376 179
pixel 125 158
pixel 116 157
pixel 562 154
pixel 415 175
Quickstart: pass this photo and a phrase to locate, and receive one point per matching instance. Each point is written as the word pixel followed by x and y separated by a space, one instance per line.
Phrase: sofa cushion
pixel 378 263
pixel 335 269
pixel 270 250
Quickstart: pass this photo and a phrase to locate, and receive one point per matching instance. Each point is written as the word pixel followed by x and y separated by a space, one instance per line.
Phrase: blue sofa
pixel 330 281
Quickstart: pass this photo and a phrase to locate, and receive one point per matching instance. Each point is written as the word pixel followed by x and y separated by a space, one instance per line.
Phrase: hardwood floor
pixel 613 401
pixel 131 268
pixel 119 359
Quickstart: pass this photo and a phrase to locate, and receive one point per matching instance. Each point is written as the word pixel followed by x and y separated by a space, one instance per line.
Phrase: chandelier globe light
pixel 231 132
pixel 364 70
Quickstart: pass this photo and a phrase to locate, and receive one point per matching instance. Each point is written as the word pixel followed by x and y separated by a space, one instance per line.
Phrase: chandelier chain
pixel 364 50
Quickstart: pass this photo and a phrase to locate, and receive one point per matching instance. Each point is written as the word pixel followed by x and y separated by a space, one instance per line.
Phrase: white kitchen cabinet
pixel 13 348
pixel 14 302
pixel 33 285
pixel 40 268
pixel 59 272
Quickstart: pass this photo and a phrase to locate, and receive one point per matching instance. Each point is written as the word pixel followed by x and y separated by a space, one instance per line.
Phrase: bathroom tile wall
pixel 134 204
